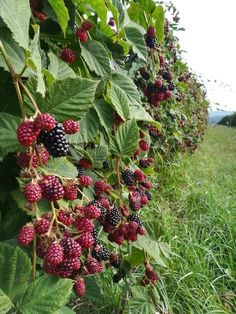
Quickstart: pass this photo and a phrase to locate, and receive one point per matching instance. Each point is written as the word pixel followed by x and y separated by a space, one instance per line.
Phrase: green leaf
pixel 69 98
pixel 59 69
pixel 15 269
pixel 89 128
pixel 105 114
pixel 140 114
pixel 100 8
pixel 37 62
pixel 46 295
pixel 17 17
pixel 65 310
pixel 125 141
pixel 93 291
pixel 119 100
pixel 159 14
pixel 5 303
pixel 136 40
pixel 128 86
pixel 96 57
pixel 15 53
pixel 8 137
pixel 137 257
pixel 141 302
pixel 148 5
pixel 98 155
pixel 61 13
pixel 62 167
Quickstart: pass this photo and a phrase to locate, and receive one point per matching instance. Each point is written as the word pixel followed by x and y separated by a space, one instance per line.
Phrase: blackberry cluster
pixel 113 217
pixel 128 177
pixel 55 141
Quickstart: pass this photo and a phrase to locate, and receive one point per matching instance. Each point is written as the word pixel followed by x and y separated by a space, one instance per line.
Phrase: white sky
pixel 210 42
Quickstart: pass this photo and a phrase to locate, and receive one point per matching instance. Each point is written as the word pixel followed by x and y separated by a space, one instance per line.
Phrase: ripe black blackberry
pixel 143 163
pixel 95 236
pixel 150 41
pixel 171 86
pixel 149 195
pixel 55 141
pixel 135 218
pixel 101 253
pixel 128 177
pixel 105 165
pixel 167 76
pixel 80 171
pixel 163 88
pixel 113 217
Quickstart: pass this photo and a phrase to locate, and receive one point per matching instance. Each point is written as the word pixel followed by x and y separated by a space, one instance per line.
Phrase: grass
pixel 197 210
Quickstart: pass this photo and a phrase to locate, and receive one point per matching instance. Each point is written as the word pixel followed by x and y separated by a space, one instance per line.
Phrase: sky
pixel 210 42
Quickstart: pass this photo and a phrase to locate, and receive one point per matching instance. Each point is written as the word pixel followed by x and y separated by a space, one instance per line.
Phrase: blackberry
pixel 113 217
pixel 135 218
pixel 55 141
pixel 128 177
pixel 143 163
pixel 167 76
pixel 95 236
pixel 171 86
pixel 80 171
pixel 105 165
pixel 163 88
pixel 145 75
pixel 152 88
pixel 149 195
pixel 150 42
pixel 101 253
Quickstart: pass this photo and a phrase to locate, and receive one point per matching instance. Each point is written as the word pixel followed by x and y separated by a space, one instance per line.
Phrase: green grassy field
pixel 197 209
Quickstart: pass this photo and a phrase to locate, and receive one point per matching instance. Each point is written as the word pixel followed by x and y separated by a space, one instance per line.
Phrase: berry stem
pixel 27 92
pixel 118 174
pixel 15 79
pixel 34 260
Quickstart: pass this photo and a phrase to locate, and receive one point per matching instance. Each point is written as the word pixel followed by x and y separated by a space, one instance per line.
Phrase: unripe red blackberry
pixel 146 184
pixel 92 212
pixel 139 175
pixel 71 247
pixel 44 122
pixel 65 217
pixel 135 203
pixel 101 187
pixel 26 234
pixel 25 158
pixel 93 266
pixel 141 230
pixel 85 181
pixel 128 177
pixel 158 83
pixel 66 268
pixel 135 218
pixel 80 287
pixel 144 145
pixel 54 254
pixel 151 274
pixel 168 94
pixel 51 188
pixel 81 35
pixel 104 202
pixel 32 192
pixel 87 25
pixel 27 133
pixel 85 163
pixel 86 240
pixel 113 217
pixel 71 126
pixel 42 226
pixel 144 282
pixel 50 268
pixel 83 225
pixel 151 32
pixel 70 192
pixel 68 55
pixel 55 141
pixel 41 249
pixel 116 237
pixel 144 199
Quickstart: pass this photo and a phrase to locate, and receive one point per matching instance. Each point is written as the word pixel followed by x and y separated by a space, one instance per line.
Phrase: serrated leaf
pixel 12 13
pixel 8 137
pixel 93 291
pixel 128 86
pixel 15 269
pixel 125 141
pixel 69 98
pixel 61 167
pixel 5 303
pixel 46 295
pixel 59 69
pixel 159 15
pixel 141 302
pixel 136 40
pixel 61 12
pixel 148 5
pixel 65 310
pixel 140 114
pixel 119 101
pixel 15 53
pixel 98 155
pixel 100 8
pixel 89 128
pixel 105 114
pixel 137 257
pixel 96 57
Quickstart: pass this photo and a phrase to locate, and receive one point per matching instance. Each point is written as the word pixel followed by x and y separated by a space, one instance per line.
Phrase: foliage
pixel 229 120
pixel 67 60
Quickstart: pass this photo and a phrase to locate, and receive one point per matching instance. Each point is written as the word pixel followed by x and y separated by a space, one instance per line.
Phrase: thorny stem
pixel 15 79
pixel 34 260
